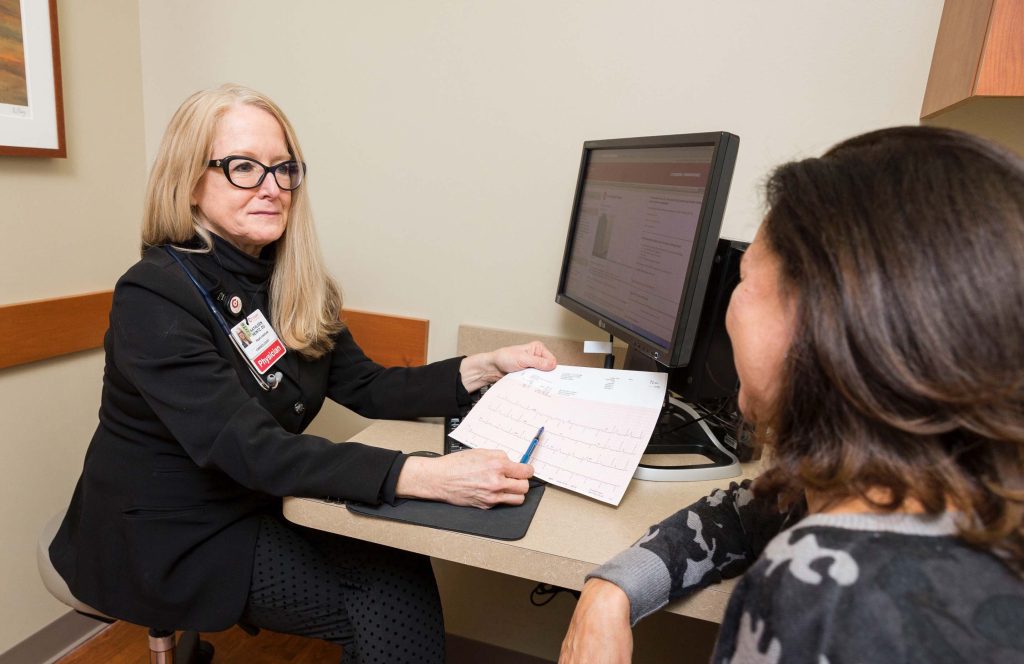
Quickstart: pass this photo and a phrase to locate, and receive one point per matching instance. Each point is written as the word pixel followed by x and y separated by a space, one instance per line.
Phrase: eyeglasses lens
pixel 248 173
pixel 288 175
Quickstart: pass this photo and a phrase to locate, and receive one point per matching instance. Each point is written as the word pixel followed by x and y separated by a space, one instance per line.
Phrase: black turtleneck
pixel 252 270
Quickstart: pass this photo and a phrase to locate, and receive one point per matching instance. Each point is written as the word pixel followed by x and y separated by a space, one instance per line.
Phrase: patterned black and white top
pixel 828 589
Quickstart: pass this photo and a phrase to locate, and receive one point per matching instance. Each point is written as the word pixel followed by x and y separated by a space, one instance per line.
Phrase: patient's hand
pixel 599 632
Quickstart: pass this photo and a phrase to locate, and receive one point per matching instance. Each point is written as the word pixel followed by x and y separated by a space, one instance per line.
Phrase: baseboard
pixel 460 650
pixel 53 641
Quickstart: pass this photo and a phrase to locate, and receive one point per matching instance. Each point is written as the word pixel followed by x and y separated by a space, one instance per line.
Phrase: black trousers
pixel 380 604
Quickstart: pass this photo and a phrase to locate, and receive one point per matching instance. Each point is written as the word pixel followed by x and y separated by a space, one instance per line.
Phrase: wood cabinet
pixel 979 52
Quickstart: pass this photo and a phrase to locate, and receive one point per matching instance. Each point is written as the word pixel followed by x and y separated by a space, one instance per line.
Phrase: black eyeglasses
pixel 247 173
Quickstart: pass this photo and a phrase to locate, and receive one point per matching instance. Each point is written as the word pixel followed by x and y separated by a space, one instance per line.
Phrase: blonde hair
pixel 305 301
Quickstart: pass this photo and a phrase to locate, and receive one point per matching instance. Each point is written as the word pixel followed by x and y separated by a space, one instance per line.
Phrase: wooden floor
pixel 124 643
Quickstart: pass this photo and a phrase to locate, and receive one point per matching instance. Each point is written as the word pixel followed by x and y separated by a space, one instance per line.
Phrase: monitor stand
pixel 683 448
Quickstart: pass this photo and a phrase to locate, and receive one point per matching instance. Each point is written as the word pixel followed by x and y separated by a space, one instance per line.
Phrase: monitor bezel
pixel 678 351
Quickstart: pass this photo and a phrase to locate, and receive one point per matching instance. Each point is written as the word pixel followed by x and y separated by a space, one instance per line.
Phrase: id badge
pixel 259 342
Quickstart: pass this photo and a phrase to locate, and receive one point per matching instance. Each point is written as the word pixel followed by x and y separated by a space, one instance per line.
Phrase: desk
pixel 569 536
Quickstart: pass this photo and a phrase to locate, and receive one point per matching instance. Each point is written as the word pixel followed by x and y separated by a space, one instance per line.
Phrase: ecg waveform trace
pixel 592 447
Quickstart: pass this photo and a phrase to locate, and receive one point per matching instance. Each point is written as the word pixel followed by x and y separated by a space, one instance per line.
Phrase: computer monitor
pixel 643 260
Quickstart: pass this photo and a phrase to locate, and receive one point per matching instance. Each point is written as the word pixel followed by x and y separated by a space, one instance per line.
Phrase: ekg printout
pixel 597 423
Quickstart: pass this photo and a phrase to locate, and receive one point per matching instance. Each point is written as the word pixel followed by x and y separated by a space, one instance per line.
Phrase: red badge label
pixel 258 341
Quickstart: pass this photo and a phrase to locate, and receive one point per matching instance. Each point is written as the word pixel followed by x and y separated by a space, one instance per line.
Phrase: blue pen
pixel 533 444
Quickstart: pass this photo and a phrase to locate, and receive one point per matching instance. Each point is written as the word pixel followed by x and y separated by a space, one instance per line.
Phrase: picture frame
pixel 31 98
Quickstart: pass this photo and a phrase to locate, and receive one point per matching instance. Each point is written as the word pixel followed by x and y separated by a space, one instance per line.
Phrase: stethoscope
pixel 272 381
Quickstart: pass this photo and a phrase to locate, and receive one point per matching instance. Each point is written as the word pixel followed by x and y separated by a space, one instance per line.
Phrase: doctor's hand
pixel 486 368
pixel 474 478
pixel 599 632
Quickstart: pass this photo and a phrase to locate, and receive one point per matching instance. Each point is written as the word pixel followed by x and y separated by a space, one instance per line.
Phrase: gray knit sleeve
pixel 716 538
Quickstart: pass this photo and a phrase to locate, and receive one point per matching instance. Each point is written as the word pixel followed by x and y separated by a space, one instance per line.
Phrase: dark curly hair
pixel 904 249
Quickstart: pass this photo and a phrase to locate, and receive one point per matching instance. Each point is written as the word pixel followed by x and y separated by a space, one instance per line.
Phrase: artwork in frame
pixel 31 102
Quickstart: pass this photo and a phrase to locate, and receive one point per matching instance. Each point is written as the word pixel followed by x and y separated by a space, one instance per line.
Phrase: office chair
pixel 189 649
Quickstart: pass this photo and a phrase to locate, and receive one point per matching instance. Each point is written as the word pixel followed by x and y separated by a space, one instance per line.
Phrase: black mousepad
pixel 505 522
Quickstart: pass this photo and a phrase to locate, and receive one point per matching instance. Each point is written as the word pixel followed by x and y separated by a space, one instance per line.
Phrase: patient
pixel 877 331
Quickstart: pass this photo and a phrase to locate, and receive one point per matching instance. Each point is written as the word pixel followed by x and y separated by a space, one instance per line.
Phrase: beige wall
pixel 443 138
pixel 70 226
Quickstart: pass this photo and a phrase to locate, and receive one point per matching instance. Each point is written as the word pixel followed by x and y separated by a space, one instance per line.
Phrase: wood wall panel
pixel 393 341
pixel 43 329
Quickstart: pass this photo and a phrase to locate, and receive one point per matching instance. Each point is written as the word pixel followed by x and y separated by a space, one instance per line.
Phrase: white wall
pixel 443 137
pixel 69 226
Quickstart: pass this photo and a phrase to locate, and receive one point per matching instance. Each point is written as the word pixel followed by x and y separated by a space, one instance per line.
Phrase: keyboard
pixel 450 423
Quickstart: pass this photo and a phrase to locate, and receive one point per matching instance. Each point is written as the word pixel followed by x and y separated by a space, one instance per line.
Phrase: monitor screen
pixel 642 237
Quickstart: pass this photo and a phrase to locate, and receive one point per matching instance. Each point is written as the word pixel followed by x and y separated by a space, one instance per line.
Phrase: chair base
pixel 189 649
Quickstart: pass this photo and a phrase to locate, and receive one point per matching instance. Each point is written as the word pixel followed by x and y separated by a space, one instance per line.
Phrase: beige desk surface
pixel 569 536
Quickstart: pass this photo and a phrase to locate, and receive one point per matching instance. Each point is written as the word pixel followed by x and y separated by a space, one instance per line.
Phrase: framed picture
pixel 31 103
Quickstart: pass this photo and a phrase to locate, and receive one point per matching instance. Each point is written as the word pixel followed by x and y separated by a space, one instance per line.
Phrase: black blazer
pixel 189 450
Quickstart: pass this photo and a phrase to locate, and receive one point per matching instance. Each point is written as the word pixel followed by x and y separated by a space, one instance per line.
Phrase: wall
pixel 70 226
pixel 443 138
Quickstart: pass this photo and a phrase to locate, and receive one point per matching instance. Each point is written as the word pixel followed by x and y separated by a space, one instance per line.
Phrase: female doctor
pixel 224 340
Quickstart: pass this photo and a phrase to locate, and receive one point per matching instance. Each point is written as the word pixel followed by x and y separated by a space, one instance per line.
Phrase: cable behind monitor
pixel 682 430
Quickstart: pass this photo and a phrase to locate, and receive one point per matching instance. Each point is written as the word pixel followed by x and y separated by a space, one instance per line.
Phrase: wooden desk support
pixel 569 536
